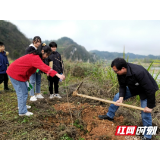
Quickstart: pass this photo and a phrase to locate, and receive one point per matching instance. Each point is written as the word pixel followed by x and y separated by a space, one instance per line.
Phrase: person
pixel 133 80
pixel 35 78
pixel 56 64
pixel 3 66
pixel 22 68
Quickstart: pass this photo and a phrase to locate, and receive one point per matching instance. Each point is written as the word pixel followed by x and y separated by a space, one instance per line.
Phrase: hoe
pixel 75 93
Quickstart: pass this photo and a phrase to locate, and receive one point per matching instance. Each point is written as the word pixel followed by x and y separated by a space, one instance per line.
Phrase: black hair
pixel 1 44
pixel 119 63
pixel 53 44
pixel 44 47
pixel 36 39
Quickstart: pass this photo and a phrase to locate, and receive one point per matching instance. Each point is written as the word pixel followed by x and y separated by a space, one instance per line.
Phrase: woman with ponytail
pixel 21 69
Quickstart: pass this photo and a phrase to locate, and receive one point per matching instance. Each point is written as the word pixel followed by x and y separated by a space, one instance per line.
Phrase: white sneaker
pixel 39 96
pixel 26 114
pixel 57 96
pixel 28 107
pixel 51 96
pixel 33 98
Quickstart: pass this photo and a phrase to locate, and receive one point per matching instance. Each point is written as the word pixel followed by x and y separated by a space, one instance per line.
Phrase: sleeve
pixel 146 84
pixel 122 88
pixel 38 63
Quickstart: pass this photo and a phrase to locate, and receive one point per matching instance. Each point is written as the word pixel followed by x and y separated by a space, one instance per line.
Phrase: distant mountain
pixel 112 55
pixel 73 51
pixel 15 41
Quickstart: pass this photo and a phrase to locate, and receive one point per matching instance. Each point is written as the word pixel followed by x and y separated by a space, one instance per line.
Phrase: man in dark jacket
pixel 3 66
pixel 56 60
pixel 133 80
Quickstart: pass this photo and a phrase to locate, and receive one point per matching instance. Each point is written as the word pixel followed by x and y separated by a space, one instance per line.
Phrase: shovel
pixel 75 93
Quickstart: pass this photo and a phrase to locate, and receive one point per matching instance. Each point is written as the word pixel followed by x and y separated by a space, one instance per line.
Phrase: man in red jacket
pixel 20 71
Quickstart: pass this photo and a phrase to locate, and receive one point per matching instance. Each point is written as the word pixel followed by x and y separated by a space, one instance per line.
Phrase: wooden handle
pixel 107 101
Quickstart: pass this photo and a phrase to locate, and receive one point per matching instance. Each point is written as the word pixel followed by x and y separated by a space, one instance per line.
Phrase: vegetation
pixel 112 55
pixel 15 41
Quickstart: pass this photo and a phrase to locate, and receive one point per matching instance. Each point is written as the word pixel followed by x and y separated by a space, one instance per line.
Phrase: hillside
pixel 15 41
pixel 73 51
pixel 111 55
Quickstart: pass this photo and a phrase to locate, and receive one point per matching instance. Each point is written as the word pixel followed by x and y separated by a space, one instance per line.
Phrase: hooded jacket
pixel 22 68
pixel 3 62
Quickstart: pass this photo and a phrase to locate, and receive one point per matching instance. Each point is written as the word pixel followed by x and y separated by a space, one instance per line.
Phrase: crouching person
pixel 133 80
pixel 20 71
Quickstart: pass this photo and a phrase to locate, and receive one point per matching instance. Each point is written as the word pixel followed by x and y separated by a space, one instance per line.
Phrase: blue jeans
pixel 35 78
pixel 22 94
pixel 146 117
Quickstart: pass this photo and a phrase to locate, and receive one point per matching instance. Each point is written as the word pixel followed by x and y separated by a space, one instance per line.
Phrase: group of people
pixel 35 79
pixel 133 79
pixel 29 68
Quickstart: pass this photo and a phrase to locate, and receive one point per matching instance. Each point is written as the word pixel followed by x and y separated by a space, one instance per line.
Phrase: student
pixel 3 66
pixel 35 78
pixel 55 58
pixel 133 80
pixel 21 69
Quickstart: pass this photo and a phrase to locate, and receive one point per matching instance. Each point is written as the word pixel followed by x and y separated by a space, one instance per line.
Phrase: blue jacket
pixel 3 62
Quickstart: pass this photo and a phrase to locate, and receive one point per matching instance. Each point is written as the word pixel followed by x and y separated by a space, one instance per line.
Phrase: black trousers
pixel 54 80
pixel 4 77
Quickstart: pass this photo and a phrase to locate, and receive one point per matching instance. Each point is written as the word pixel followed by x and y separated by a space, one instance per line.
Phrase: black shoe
pixel 7 89
pixel 105 117
pixel 145 138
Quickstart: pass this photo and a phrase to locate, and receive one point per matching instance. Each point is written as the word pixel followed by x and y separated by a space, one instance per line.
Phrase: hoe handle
pixel 107 101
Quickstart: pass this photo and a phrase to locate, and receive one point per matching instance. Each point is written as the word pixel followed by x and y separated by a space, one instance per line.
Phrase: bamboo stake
pixel 75 93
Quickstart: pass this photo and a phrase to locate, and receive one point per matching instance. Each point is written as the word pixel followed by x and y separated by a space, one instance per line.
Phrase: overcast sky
pixel 138 37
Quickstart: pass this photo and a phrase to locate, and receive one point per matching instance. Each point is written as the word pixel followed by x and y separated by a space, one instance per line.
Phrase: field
pixel 72 118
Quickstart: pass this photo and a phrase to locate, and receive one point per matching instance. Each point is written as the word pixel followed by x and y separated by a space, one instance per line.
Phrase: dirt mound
pixel 85 119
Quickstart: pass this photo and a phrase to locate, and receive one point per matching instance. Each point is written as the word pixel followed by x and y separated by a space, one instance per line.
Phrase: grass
pixel 66 137
pixel 78 125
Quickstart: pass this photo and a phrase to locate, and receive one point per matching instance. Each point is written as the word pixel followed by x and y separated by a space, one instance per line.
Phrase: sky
pixel 138 36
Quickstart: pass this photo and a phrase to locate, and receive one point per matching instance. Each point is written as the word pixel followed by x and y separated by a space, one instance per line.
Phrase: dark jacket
pixel 57 61
pixel 3 62
pixel 140 82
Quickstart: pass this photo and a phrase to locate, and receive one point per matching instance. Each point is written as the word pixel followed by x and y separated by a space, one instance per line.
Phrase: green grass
pixel 66 137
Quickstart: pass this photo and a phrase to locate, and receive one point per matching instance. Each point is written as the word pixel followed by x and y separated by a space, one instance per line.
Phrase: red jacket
pixel 22 68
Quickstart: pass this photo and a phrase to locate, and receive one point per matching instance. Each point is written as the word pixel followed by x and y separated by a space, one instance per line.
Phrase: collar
pixel 128 71
pixel 31 45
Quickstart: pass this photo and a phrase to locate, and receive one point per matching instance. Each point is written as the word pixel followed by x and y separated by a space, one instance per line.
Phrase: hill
pixel 112 55
pixel 73 51
pixel 15 41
